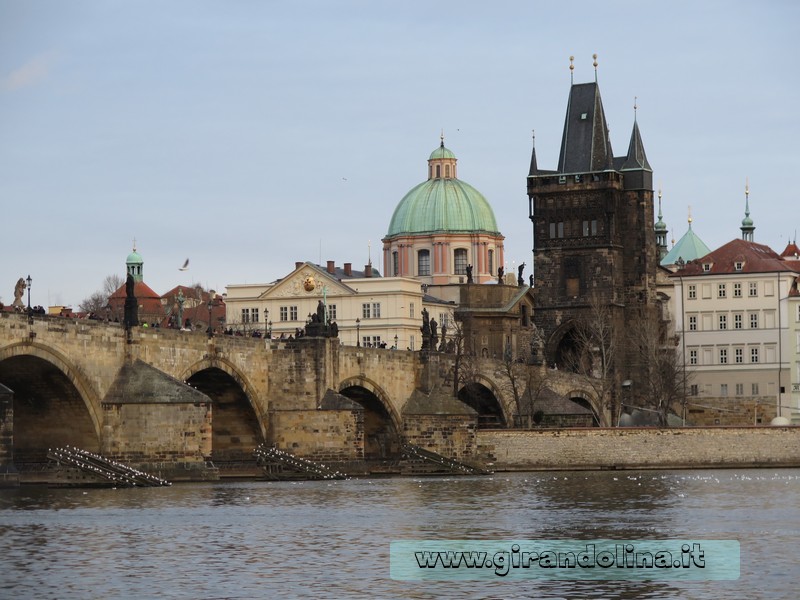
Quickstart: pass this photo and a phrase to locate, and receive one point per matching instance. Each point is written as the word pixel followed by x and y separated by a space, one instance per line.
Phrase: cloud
pixel 28 74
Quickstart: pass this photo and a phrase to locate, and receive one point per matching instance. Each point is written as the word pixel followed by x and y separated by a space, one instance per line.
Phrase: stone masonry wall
pixel 453 436
pixel 320 435
pixel 640 448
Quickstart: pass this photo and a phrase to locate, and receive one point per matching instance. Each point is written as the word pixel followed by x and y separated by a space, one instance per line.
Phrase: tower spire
pixel 594 64
pixel 661 231
pixel 534 167
pixel 571 70
pixel 747 223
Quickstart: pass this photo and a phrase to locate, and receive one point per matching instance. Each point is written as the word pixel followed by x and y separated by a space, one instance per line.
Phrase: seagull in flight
pixel 185 266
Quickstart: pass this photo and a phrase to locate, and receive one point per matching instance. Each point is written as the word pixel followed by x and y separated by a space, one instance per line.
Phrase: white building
pixel 735 310
pixel 368 309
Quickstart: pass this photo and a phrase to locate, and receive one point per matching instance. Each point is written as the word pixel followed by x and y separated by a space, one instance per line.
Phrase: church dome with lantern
pixel 442 226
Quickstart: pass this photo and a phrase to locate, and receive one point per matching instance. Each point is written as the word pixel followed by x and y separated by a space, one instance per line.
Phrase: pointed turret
pixel 534 167
pixel 638 172
pixel 747 223
pixel 661 232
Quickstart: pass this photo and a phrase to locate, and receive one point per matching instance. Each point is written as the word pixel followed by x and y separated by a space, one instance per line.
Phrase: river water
pixel 253 540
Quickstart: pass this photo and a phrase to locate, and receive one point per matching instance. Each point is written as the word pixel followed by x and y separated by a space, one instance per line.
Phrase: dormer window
pixel 706 267
pixel 738 265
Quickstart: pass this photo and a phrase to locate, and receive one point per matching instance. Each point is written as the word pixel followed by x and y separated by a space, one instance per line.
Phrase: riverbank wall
pixel 601 448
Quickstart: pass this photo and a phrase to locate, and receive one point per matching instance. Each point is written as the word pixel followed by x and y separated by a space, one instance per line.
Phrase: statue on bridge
pixel 19 290
pixel 131 306
pixel 434 334
pixel 520 280
pixel 469 273
pixel 500 272
pixel 426 330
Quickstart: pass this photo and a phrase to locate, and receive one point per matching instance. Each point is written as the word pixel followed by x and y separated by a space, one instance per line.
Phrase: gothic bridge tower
pixel 593 236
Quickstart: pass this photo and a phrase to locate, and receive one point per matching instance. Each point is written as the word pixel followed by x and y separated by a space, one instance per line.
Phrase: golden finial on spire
pixel 746 186
pixel 659 190
pixel 571 69
pixel 134 244
pixel 441 138
pixel 690 216
pixel 594 64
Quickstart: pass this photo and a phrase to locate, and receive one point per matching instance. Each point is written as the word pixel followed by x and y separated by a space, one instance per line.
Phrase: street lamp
pixel 395 341
pixel 266 318
pixel 210 330
pixel 270 330
pixel 358 332
pixel 29 281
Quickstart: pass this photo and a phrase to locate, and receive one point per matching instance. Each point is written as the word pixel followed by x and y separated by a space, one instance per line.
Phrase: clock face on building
pixel 309 284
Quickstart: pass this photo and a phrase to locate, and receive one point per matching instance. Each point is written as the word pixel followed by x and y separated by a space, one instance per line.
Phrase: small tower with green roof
pixel 747 223
pixel 135 264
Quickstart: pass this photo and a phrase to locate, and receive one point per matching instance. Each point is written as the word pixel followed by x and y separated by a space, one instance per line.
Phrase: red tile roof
pixel 754 258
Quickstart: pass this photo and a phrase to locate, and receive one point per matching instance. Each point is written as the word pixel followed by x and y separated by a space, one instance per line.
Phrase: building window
pixel 552 231
pixel 753 320
pixel 740 389
pixel 424 262
pixel 738 355
pixel 692 357
pixel 692 293
pixel 411 314
pixel 723 321
pixel 754 390
pixel 737 321
pixel 395 264
pixel 376 310
pixel 245 315
pixel 707 267
pixel 738 265
pixel 284 310
pixel 293 313
pixel 753 355
pixel 561 229
pixel 692 322
pixel 693 390
pixel 723 356
pixel 723 389
pixel 460 261
pixel 590 228
pixel 798 313
pixel 254 315
pixel 447 170
pixel 332 312
pixel 737 290
pixel 753 289
pixel 438 171
pixel 722 290
pixel 365 310
pixel 491 272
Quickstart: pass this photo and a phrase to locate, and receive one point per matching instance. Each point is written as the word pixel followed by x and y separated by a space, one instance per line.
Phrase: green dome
pixel 439 205
pixel 441 152
pixel 134 258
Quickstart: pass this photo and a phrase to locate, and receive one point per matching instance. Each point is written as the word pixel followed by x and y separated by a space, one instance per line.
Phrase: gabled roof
pixel 791 252
pixel 752 257
pixel 293 284
pixel 689 247
pixel 585 144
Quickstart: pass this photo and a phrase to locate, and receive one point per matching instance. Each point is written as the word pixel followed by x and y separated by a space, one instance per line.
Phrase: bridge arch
pixel 483 395
pixel 84 390
pixel 382 423
pixel 238 377
pixel 587 399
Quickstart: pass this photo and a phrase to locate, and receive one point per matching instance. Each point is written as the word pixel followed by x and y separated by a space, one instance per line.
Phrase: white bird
pixel 185 266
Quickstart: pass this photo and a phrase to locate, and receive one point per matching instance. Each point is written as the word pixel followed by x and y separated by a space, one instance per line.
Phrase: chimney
pixel 348 269
pixel 298 264
pixel 368 270
pixel 331 267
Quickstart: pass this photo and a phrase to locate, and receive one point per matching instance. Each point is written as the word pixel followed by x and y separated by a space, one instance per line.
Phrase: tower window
pixel 438 171
pixel 395 264
pixel 491 270
pixel 447 170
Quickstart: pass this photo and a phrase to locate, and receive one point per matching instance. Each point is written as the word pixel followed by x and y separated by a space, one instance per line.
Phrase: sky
pixel 247 135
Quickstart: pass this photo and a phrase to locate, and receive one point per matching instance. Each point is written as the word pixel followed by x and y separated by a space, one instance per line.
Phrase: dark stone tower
pixel 593 239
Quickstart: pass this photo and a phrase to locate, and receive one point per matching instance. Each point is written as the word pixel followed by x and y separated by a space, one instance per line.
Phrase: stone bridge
pixel 167 397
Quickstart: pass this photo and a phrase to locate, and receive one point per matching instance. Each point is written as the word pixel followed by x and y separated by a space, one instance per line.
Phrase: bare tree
pixel 662 377
pixel 593 353
pixel 465 368
pixel 94 303
pixel 98 301
pixel 524 378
